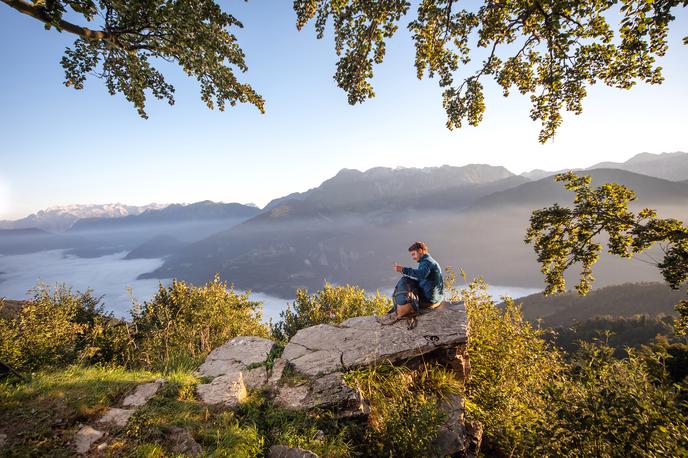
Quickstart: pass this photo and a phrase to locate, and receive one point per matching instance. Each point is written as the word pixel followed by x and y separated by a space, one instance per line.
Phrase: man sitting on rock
pixel 428 275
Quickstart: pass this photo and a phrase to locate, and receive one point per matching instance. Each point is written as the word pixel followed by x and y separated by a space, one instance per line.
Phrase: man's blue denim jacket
pixel 429 276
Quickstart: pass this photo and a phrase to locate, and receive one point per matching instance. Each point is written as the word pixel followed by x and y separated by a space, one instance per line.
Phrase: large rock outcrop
pixel 323 352
pixel 310 371
pixel 369 340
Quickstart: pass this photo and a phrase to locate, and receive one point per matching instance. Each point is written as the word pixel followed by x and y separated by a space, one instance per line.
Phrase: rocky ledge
pixel 308 374
pixel 369 340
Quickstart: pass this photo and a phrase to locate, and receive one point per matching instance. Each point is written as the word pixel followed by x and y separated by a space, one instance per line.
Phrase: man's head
pixel 417 250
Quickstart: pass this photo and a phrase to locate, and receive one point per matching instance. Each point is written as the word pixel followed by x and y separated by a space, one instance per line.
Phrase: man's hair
pixel 418 246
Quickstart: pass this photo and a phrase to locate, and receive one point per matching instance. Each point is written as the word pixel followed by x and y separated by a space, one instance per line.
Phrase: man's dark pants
pixel 424 302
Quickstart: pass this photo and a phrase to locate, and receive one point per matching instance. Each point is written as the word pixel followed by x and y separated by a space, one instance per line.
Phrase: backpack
pixel 406 297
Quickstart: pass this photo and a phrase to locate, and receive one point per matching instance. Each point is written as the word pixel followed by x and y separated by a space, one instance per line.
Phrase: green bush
pixel 57 327
pixel 611 407
pixel 183 323
pixel 511 368
pixel 332 304
pixel 532 401
pixel 177 327
pixel 674 360
pixel 405 412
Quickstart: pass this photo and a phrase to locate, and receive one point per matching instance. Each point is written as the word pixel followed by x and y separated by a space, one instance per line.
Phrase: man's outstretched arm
pixel 421 272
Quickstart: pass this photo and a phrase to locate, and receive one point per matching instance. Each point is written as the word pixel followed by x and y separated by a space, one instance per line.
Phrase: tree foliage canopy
pixel 121 41
pixel 564 237
pixel 549 49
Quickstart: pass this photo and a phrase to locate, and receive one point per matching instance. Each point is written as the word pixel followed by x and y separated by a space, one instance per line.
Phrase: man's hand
pixel 397 267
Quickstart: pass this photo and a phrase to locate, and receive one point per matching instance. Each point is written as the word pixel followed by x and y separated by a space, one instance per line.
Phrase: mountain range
pixel 354 225
pixel 153 231
pixel 669 166
pixel 205 210
pixel 303 242
pixel 61 218
pixel 386 188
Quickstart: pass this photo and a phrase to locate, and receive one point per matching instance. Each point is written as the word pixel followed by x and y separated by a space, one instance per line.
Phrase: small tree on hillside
pixel 564 237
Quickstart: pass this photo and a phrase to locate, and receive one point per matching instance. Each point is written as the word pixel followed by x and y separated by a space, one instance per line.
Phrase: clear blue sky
pixel 59 146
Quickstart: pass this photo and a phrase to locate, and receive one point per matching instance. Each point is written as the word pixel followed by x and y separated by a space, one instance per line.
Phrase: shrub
pixel 332 304
pixel 511 368
pixel 405 412
pixel 611 407
pixel 179 326
pixel 534 402
pixel 183 323
pixel 57 327
pixel 673 363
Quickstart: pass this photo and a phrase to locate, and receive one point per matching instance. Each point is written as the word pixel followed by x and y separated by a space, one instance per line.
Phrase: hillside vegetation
pixel 625 300
pixel 531 398
pixel 619 333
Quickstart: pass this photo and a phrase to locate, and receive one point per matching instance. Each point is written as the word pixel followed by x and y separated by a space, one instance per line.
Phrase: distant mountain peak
pixel 202 210
pixel 351 187
pixel 474 173
pixel 60 218
pixel 668 166
pixel 646 157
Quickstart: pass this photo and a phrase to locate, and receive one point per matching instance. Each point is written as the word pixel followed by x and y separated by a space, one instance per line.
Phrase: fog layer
pixel 114 277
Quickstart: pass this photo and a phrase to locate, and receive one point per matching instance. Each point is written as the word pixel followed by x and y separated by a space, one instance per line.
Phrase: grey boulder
pixel 370 340
pixel 85 438
pixel 182 442
pixel 116 417
pixel 228 389
pixel 236 354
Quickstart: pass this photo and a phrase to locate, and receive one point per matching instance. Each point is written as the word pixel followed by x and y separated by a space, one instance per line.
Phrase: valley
pixel 348 230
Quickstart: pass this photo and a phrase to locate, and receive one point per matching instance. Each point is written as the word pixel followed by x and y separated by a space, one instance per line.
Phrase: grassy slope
pixel 41 417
